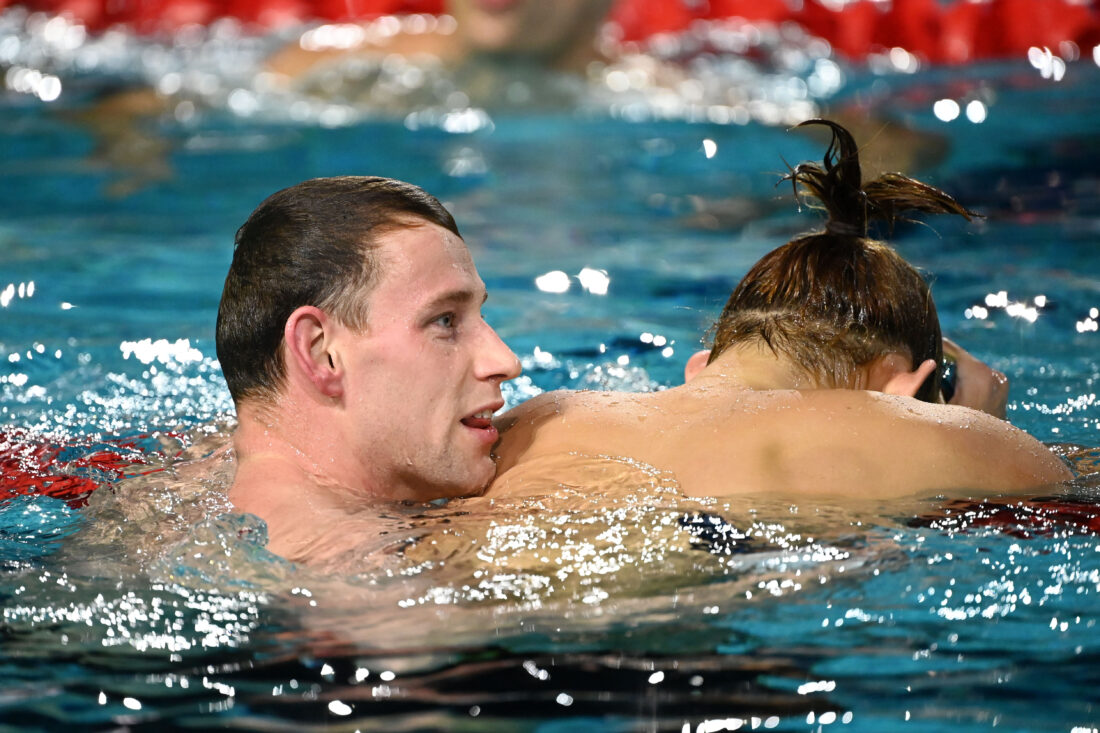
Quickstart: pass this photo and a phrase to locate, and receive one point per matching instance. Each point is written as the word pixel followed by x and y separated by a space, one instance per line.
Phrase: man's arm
pixel 978 385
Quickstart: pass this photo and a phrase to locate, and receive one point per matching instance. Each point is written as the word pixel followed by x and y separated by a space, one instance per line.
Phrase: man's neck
pixel 291 479
pixel 276 456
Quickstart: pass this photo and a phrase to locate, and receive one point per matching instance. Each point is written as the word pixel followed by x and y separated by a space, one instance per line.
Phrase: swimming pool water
pixel 150 607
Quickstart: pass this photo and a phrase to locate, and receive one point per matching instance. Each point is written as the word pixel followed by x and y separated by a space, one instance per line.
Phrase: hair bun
pixel 837 183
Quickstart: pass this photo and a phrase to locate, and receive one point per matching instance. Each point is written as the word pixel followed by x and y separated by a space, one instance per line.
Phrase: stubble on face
pixel 413 370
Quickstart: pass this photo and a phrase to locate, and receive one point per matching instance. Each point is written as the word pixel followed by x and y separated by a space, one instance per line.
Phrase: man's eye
pixel 447 320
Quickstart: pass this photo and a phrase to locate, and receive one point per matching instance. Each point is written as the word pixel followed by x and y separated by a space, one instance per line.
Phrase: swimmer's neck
pixel 268 478
pixel 289 499
pixel 754 366
pixel 278 463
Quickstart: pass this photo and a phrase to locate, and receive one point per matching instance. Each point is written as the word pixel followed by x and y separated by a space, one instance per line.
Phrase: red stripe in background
pixel 940 32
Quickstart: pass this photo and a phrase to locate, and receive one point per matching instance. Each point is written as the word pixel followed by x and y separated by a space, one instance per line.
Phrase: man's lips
pixel 481 425
pixel 478 422
pixel 483 418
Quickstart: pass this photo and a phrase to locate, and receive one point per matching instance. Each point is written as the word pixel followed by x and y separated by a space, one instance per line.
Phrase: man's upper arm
pixel 1000 455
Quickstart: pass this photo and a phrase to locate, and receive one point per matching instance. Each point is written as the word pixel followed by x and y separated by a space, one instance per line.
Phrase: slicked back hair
pixel 310 244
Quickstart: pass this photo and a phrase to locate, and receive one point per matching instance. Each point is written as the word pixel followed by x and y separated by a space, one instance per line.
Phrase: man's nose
pixel 496 360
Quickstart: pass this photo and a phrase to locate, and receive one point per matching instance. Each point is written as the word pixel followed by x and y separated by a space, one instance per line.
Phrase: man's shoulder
pixel 574 404
pixel 906 420
pixel 559 420
pixel 980 450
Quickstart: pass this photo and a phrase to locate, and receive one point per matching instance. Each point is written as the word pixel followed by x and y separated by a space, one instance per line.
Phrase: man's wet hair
pixel 310 244
pixel 835 300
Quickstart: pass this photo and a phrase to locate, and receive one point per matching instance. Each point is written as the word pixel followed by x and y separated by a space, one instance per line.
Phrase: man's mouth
pixel 480 420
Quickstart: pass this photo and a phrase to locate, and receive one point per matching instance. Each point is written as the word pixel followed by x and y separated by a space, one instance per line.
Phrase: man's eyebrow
pixel 462 295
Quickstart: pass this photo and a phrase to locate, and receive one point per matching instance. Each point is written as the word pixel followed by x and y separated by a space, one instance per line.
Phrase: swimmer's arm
pixel 978 386
pixel 294 62
pixel 297 60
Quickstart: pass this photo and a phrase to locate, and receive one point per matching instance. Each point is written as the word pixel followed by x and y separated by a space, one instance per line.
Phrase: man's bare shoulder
pixel 806 442
pixel 957 445
pixel 560 420
pixel 574 405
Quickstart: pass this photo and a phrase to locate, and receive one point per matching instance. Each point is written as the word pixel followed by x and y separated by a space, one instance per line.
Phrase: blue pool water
pixel 152 607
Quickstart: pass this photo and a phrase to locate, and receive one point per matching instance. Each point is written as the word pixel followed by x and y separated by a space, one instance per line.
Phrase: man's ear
pixel 696 363
pixel 890 374
pixel 308 335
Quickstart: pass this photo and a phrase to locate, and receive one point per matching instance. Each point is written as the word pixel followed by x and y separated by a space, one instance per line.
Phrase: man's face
pixel 529 27
pixel 424 376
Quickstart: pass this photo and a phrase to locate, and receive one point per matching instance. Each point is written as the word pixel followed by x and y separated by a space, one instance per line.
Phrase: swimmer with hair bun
pixel 822 379
pixel 834 301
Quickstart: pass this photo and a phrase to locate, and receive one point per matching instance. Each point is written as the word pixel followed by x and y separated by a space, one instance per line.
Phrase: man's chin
pixel 474 484
pixel 478 485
